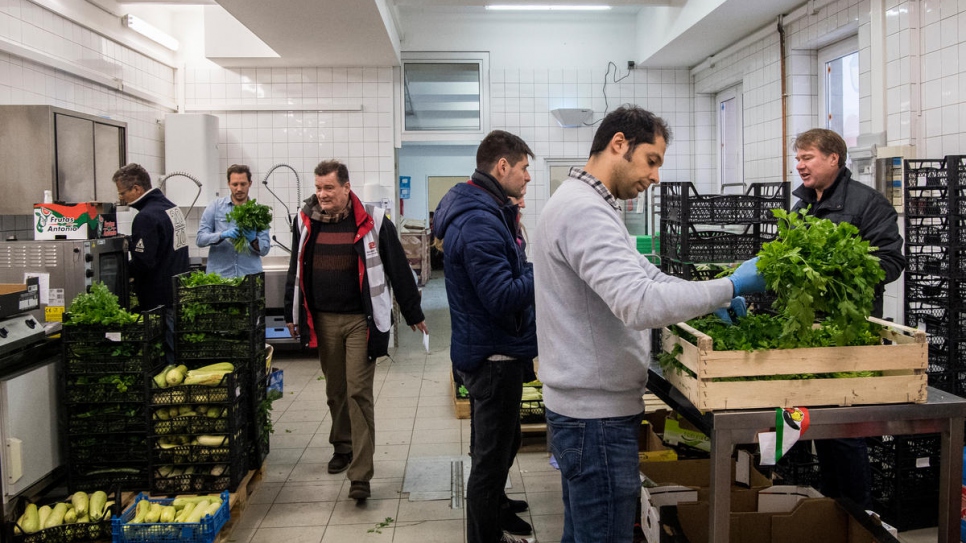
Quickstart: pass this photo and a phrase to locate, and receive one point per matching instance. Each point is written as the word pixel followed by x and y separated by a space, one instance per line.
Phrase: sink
pixel 276 270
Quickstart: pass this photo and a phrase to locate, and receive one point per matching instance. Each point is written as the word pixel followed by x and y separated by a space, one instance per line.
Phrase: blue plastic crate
pixel 196 532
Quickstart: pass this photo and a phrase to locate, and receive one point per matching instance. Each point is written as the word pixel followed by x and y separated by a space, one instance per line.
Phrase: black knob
pixel 88 258
pixel 89 273
pixel 31 323
pixel 3 332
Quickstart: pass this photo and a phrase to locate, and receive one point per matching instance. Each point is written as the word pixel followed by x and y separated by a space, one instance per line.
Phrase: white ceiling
pixel 365 32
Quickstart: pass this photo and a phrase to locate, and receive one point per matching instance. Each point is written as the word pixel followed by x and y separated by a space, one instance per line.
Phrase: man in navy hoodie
pixel 159 243
pixel 489 284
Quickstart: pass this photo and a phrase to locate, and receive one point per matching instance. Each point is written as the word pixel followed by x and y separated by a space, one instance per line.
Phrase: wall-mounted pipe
pixel 784 90
pixel 164 180
pixel 298 188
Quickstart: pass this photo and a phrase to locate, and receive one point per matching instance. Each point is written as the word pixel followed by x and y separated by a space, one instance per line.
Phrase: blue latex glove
pixel 230 233
pixel 249 234
pixel 747 279
pixel 737 309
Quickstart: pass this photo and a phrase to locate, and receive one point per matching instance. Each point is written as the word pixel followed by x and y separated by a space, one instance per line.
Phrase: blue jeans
pixel 599 474
pixel 844 468
pixel 495 391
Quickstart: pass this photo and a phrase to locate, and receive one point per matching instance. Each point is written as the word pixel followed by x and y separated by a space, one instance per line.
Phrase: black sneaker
pixel 340 462
pixel 359 490
pixel 514 506
pixel 514 524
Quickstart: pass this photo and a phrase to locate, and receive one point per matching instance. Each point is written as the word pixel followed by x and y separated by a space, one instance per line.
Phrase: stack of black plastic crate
pixel 703 233
pixel 106 371
pixel 905 475
pixel 213 324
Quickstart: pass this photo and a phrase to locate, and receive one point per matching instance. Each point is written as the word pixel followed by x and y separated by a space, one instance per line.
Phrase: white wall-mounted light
pixel 572 117
pixel 141 26
pixel 545 7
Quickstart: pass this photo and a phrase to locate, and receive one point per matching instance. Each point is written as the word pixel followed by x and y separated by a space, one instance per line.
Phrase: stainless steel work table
pixel 943 413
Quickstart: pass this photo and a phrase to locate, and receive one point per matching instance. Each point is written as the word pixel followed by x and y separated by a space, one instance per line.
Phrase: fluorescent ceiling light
pixel 155 34
pixel 544 7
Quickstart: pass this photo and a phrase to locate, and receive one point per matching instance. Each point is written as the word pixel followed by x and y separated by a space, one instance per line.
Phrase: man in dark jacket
pixel 345 258
pixel 831 193
pixel 489 284
pixel 159 244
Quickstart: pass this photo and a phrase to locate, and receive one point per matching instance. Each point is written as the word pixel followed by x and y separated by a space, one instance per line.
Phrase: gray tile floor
pixel 297 501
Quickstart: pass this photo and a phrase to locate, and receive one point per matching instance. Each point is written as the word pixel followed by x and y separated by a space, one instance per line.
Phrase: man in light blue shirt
pixel 216 233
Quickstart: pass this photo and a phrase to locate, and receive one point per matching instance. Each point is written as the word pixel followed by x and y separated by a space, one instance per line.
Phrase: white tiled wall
pixel 26 82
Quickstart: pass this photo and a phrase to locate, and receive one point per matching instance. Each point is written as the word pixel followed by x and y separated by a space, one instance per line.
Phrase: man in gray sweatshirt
pixel 597 299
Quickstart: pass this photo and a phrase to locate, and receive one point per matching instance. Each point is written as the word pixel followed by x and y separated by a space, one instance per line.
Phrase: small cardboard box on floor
pixel 784 514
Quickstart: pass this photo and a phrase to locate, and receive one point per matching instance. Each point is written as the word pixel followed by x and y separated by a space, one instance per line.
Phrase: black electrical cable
pixel 603 89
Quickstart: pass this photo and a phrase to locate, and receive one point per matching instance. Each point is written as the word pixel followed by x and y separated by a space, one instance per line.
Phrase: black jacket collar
pixel 833 198
pixel 491 185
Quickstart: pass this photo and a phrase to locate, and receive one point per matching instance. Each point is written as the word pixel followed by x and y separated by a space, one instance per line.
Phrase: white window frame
pixel 481 58
pixel 723 96
pixel 825 55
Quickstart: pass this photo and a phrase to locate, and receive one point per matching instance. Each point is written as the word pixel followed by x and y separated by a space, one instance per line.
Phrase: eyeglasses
pixel 122 192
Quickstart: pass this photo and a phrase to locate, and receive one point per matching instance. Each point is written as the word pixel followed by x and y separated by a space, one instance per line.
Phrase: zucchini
pixel 70 517
pixel 44 513
pixel 184 512
pixel 96 505
pixel 167 514
pixel 197 512
pixel 141 511
pixel 212 441
pixel 30 522
pixel 56 517
pixel 154 513
pixel 80 501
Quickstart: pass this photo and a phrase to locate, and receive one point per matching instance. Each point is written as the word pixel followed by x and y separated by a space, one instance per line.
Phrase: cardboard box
pixel 900 365
pixel 89 220
pixel 678 431
pixel 784 514
pixel 17 298
pixel 650 447
pixel 690 481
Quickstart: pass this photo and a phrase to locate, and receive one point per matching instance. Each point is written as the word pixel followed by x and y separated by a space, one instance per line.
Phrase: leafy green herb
pixel 818 267
pixel 199 279
pixel 380 525
pixel 249 216
pixel 99 306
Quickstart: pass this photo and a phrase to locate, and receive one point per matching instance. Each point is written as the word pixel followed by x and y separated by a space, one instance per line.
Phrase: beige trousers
pixel 348 387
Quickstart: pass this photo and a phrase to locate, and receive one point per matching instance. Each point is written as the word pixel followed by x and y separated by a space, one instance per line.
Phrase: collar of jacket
pixel 152 194
pixel 488 183
pixel 833 198
pixel 364 222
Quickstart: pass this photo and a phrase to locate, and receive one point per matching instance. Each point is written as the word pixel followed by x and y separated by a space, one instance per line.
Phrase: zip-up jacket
pixel 848 200
pixel 382 264
pixel 159 249
pixel 489 282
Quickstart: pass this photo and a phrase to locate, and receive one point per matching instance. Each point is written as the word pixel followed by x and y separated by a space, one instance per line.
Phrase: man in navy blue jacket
pixel 159 243
pixel 489 284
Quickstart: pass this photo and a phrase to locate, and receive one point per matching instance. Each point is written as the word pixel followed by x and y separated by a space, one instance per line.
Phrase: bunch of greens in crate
pixel 99 306
pixel 200 279
pixel 248 216
pixel 817 267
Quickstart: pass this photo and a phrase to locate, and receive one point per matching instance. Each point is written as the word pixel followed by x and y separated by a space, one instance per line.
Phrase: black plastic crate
pixel 925 173
pixel 928 205
pixel 202 480
pixel 127 358
pixel 936 262
pixel 219 317
pixel 681 202
pixel 78 532
pixel 905 479
pixel 688 243
pixel 930 288
pixel 799 466
pixel 99 475
pixel 232 387
pixel 251 289
pixel 119 418
pixel 215 346
pixel 690 270
pixel 150 327
pixel 193 453
pixel 107 449
pixel 109 389
pixel 951 381
pixel 928 234
pixel 167 420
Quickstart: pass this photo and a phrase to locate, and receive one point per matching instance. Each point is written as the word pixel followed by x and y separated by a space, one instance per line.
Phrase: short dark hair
pixel 636 123
pixel 500 144
pixel 132 174
pixel 239 168
pixel 826 141
pixel 328 166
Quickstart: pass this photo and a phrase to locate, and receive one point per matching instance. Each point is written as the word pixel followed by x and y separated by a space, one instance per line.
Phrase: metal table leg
pixel 722 446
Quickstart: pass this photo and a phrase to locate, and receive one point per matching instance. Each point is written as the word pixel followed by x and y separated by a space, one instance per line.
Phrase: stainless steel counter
pixel 943 413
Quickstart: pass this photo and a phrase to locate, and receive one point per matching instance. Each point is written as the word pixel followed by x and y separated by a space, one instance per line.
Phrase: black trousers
pixel 495 390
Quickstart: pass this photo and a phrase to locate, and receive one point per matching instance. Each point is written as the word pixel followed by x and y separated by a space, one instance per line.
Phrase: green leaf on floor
pixel 380 525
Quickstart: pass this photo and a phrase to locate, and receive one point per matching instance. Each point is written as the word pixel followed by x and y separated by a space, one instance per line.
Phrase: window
pixel 730 139
pixel 839 89
pixel 444 96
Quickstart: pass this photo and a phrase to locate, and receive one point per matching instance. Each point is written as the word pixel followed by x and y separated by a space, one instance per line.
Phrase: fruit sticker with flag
pixel 790 424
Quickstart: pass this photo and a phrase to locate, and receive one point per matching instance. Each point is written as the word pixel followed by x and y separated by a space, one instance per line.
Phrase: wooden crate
pixel 902 364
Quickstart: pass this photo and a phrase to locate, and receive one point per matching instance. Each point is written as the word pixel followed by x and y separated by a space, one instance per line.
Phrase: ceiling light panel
pixel 545 7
